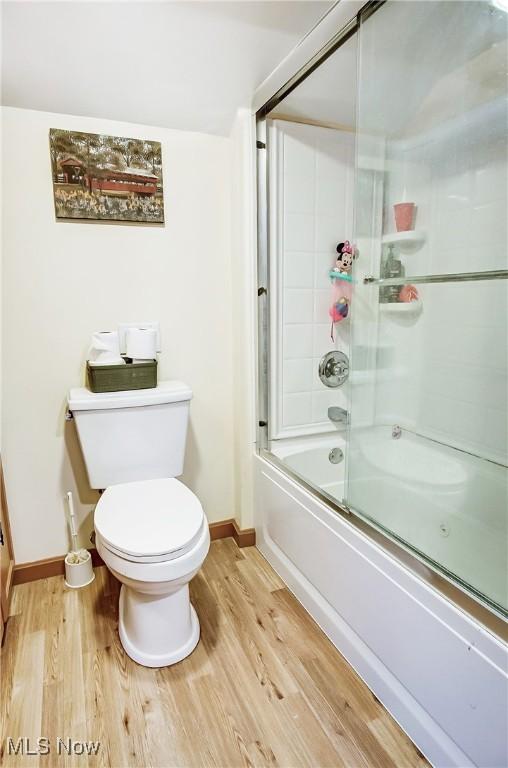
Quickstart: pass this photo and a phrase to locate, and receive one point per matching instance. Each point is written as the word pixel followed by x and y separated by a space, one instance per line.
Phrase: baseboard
pixel 54 566
pixel 221 530
pixel 38 569
pixel 225 528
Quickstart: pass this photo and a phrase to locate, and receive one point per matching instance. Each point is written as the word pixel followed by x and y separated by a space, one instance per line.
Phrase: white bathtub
pixel 447 505
pixel 438 670
pixel 309 458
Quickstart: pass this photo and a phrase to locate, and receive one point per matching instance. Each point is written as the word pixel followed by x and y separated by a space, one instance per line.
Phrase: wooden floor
pixel 264 687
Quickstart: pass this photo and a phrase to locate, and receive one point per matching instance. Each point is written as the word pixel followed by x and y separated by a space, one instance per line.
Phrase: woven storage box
pixel 118 378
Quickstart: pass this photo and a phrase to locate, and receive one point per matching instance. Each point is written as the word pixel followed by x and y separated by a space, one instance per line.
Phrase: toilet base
pixel 157 631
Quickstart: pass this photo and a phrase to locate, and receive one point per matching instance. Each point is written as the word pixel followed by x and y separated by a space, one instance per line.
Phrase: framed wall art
pixel 106 178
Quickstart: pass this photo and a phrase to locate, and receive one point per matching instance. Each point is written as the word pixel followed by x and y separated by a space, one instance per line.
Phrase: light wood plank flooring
pixel 264 687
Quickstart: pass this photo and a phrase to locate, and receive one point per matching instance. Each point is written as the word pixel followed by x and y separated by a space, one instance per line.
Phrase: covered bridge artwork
pixel 106 178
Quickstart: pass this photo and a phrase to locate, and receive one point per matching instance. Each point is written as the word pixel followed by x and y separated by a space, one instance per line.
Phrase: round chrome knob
pixel 334 368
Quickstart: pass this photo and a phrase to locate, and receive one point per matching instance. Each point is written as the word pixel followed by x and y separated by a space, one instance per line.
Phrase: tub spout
pixel 338 415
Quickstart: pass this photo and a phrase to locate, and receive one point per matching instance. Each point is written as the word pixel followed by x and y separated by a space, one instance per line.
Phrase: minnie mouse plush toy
pixel 342 287
pixel 345 258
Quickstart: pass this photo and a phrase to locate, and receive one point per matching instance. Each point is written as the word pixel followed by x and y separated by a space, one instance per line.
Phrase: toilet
pixel 151 530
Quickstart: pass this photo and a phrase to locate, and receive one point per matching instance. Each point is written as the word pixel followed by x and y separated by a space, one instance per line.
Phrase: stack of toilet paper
pixel 105 349
pixel 141 344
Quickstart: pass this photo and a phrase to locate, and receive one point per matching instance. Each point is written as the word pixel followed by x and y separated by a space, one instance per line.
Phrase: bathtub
pixel 447 505
pixel 438 670
pixel 309 458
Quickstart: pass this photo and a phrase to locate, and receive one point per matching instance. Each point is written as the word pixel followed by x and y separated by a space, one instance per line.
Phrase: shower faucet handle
pixel 334 368
pixel 337 369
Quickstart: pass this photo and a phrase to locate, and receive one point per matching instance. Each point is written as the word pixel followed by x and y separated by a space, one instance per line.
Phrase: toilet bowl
pixel 151 530
pixel 153 536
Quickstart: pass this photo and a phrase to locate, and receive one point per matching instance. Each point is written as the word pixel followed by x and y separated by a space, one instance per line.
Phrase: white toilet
pixel 151 530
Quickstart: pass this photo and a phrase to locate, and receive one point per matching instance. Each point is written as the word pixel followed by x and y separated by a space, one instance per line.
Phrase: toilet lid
pixel 150 518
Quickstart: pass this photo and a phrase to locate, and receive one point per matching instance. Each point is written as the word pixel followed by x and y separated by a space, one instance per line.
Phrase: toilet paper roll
pixel 141 343
pixel 105 349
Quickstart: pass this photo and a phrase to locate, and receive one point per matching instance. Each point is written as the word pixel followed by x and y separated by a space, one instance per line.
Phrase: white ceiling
pixel 328 95
pixel 187 65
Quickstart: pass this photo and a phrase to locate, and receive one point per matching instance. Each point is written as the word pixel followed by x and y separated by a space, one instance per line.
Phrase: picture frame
pixel 106 178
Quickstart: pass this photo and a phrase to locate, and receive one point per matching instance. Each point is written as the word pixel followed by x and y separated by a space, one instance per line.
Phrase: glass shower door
pixel 427 452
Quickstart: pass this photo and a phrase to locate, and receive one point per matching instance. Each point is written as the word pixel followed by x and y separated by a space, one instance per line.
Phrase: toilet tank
pixel 128 436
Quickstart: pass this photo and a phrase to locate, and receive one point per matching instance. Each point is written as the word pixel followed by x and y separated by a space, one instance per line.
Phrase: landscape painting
pixel 106 178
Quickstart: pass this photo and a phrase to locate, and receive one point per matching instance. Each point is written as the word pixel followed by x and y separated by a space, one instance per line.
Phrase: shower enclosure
pixel 394 412
pixel 381 485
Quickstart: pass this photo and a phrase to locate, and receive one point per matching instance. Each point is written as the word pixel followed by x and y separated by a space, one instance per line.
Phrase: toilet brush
pixel 78 562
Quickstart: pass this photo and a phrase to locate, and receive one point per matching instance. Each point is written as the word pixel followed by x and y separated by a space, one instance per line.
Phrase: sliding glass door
pixel 427 443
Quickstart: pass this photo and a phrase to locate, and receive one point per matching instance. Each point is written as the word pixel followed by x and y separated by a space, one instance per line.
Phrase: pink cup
pixel 404 216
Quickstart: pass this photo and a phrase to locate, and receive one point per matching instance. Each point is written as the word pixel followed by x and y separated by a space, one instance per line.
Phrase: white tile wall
pixel 317 195
pixel 298 340
pixel 297 375
pixel 455 385
pixel 297 409
pixel 298 305
pixel 298 270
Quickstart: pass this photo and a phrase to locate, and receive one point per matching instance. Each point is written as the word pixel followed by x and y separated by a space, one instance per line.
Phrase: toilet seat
pixel 151 521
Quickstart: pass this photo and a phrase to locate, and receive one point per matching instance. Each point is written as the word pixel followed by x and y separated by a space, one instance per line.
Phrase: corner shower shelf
pixel 406 241
pixel 401 307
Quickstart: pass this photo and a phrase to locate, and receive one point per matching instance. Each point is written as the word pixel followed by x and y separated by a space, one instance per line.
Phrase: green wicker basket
pixel 119 378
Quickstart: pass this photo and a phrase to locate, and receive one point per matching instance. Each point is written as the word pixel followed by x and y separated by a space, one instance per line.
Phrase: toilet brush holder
pixel 78 569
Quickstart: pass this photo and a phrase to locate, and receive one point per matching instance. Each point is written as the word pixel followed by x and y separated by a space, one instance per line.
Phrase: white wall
pixel 451 361
pixel 1 273
pixel 62 281
pixel 312 210
pixel 442 373
pixel 244 270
